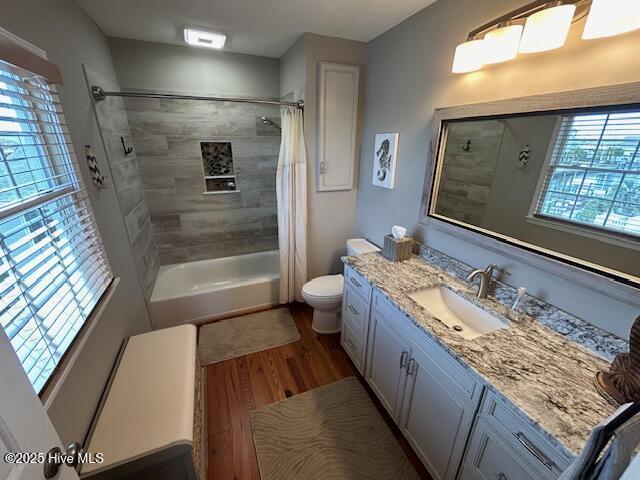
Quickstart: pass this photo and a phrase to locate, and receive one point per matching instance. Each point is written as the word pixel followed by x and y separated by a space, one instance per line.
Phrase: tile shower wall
pixel 112 119
pixel 468 170
pixel 189 225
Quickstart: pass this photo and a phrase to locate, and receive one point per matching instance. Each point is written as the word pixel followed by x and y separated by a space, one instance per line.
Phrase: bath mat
pixel 331 432
pixel 240 336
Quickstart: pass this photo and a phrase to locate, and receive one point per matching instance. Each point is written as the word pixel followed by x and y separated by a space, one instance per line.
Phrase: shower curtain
pixel 291 193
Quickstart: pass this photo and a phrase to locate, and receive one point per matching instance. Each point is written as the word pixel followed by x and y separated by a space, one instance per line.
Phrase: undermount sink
pixel 456 312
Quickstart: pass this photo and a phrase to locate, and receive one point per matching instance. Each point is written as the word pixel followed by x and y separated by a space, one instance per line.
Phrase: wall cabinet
pixel 337 125
pixel 435 400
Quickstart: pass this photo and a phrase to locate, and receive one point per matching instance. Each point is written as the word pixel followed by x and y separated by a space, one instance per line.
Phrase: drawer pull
pixel 403 359
pixel 355 282
pixel 353 310
pixel 501 476
pixel 411 367
pixel 534 451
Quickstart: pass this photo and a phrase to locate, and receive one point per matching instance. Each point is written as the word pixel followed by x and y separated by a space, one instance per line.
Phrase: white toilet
pixel 324 294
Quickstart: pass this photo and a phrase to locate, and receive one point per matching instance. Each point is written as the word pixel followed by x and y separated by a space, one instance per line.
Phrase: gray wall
pixel 409 75
pixel 187 224
pixel 114 127
pixel 327 232
pixel 70 38
pixel 154 66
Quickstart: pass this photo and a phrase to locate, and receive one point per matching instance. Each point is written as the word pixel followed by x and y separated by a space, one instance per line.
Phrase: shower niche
pixel 217 164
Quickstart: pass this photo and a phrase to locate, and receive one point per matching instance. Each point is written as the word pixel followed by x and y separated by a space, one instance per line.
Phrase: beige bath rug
pixel 333 432
pixel 240 336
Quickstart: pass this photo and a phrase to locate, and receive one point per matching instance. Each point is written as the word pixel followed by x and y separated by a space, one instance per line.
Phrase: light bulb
pixel 611 17
pixel 469 57
pixel 547 29
pixel 502 44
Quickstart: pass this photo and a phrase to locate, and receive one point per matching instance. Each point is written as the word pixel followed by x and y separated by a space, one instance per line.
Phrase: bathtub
pixel 196 292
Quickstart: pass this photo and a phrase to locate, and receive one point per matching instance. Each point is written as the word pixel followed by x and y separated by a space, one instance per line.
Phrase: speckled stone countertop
pixel 542 365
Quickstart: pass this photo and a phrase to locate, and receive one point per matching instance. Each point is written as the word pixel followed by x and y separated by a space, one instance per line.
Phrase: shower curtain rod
pixel 99 94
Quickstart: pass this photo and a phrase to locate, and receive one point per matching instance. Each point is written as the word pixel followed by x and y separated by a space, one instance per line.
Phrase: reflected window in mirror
pixel 592 176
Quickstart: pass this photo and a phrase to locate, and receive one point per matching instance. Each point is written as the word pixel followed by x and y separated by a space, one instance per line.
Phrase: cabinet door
pixel 490 458
pixel 388 355
pixel 337 125
pixel 436 418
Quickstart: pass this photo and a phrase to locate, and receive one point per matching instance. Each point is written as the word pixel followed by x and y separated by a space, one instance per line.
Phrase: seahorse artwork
pixel 621 384
pixel 384 160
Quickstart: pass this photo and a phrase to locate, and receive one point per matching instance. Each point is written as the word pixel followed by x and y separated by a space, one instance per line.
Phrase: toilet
pixel 324 294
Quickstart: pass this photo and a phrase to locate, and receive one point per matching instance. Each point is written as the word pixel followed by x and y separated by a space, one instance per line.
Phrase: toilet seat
pixel 327 288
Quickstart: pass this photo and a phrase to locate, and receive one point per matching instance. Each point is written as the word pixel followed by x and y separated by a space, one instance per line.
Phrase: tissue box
pixel 397 250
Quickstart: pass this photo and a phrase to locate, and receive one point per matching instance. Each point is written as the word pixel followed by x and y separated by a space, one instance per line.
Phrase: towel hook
pixel 127 151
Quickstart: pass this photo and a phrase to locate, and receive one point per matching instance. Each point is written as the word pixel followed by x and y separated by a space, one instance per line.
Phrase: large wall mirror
pixel 561 182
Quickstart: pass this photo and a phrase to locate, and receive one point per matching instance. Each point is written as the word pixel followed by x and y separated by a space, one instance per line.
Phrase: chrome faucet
pixel 485 279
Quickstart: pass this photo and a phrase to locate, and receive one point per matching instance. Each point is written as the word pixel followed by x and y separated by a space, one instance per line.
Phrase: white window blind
pixel 593 175
pixel 53 268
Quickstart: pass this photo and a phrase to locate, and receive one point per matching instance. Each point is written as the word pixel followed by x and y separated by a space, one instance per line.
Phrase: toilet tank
pixel 358 246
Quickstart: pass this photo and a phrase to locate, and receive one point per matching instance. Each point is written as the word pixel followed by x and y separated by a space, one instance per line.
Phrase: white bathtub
pixel 209 289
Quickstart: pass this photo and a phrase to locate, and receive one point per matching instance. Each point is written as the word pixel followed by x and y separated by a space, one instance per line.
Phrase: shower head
pixel 268 121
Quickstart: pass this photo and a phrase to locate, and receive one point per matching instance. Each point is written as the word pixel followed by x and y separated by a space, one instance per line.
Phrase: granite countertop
pixel 544 365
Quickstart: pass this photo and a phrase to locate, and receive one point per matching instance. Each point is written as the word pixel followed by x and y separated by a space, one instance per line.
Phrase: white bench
pixel 149 421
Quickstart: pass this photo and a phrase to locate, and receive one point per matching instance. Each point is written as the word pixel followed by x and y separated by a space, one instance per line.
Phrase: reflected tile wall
pixel 187 224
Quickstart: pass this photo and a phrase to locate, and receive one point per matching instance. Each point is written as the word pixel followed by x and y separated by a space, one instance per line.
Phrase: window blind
pixel 53 267
pixel 593 176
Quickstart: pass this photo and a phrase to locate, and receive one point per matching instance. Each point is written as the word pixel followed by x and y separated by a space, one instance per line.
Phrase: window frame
pixel 100 283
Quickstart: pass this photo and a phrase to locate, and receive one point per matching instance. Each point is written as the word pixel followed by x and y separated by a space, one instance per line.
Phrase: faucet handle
pixel 490 268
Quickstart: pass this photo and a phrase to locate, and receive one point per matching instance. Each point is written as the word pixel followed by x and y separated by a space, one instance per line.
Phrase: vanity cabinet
pixel 432 399
pixel 387 363
pixel 503 446
pixel 356 299
pixel 436 417
pixel 489 457
pixel 439 405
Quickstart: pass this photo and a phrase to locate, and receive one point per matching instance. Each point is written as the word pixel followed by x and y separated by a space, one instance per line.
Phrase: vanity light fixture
pixel 612 17
pixel 469 56
pixel 501 44
pixel 546 27
pixel 201 38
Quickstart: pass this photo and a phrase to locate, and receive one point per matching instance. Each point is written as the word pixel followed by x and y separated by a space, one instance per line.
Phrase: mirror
pixel 565 184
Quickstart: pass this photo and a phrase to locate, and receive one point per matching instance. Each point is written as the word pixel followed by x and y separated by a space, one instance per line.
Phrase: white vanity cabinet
pixel 436 401
pixel 387 360
pixel 431 397
pixel 504 447
pixel 356 299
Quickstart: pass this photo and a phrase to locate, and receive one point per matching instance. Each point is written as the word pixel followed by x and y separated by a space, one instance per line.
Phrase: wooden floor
pixel 236 387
